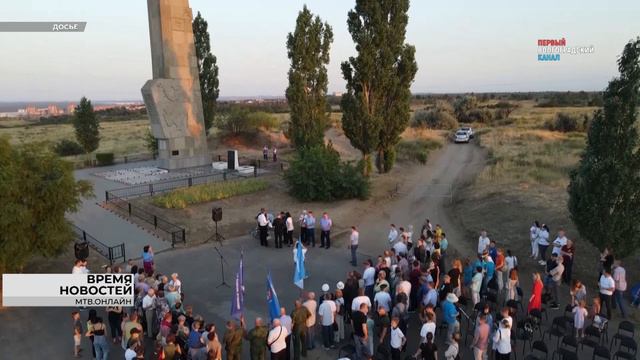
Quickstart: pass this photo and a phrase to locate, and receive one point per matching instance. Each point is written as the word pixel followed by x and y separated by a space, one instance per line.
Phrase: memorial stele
pixel 172 97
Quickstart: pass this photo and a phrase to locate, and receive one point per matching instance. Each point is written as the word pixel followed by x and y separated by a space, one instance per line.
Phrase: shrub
pixel 564 122
pixel 242 120
pixel 104 159
pixel 479 115
pixel 151 143
pixel 261 119
pixel 439 117
pixel 318 174
pixel 181 198
pixel 68 148
pixel 417 150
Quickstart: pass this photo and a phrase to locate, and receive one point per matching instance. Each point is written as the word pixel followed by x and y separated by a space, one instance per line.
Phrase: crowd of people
pixel 283 226
pixel 375 308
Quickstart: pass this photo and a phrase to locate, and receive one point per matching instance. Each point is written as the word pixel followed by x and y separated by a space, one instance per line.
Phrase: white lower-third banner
pixel 67 290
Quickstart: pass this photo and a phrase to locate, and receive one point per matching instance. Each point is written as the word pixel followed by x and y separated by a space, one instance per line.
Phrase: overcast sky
pixel 461 46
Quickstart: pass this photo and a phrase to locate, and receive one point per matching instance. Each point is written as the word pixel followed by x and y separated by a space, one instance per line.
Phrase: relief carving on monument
pixel 173 97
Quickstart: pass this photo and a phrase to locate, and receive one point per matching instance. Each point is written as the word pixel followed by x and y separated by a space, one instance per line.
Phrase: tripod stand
pixel 222 262
pixel 217 237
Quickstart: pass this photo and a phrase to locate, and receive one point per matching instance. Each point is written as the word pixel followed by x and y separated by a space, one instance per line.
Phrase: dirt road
pixel 426 195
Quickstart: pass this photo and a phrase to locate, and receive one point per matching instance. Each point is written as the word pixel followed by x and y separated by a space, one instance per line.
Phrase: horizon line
pixel 251 97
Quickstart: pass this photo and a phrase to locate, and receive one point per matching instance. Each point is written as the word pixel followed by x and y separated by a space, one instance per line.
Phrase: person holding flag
pixel 299 274
pixel 272 300
pixel 237 302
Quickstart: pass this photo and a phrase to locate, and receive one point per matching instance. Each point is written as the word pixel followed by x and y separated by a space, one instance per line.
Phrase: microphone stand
pixel 216 237
pixel 222 262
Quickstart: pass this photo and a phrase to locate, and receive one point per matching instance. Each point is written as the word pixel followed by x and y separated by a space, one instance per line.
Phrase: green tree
pixel 604 195
pixel 151 143
pixel 376 104
pixel 37 189
pixel 207 70
pixel 308 49
pixel 339 180
pixel 86 125
pixel 236 121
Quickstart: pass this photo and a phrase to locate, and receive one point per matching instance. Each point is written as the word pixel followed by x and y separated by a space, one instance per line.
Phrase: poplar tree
pixel 86 125
pixel 604 191
pixel 207 70
pixel 376 104
pixel 308 49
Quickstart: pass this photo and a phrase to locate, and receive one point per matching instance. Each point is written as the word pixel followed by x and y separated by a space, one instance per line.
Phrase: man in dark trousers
pixel 279 229
pixel 299 318
pixel 257 339
pixel 263 226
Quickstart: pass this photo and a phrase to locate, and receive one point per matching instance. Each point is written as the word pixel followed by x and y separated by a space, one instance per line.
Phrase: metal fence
pixel 160 187
pixel 175 233
pixel 112 253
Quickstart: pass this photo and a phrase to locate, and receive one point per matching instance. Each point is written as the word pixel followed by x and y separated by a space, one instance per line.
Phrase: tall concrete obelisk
pixel 173 97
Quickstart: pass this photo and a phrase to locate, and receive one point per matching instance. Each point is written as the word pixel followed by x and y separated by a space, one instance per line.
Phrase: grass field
pixel 181 198
pixel 524 156
pixel 121 137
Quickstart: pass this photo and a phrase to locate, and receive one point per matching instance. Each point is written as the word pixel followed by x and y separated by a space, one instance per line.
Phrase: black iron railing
pixel 175 233
pixel 111 253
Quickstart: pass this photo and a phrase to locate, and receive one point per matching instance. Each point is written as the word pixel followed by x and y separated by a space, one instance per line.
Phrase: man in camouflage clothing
pixel 299 318
pixel 257 339
pixel 233 341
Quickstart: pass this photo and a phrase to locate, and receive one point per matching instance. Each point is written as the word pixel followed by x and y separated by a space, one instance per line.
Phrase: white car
pixel 468 129
pixel 461 137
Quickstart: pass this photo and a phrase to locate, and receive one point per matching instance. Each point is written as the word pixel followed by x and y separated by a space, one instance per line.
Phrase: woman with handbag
pixel 502 341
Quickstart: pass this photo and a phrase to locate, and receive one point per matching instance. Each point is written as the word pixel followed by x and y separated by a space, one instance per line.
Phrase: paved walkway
pixel 105 226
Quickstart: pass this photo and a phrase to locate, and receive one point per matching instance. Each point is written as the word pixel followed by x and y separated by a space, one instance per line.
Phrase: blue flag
pixel 237 303
pixel 299 274
pixel 272 299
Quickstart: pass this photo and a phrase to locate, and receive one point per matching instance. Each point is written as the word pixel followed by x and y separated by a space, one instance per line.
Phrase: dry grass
pixel 531 117
pixel 121 137
pixel 530 157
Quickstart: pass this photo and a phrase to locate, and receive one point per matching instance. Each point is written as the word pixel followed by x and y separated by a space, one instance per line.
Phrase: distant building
pixel 53 110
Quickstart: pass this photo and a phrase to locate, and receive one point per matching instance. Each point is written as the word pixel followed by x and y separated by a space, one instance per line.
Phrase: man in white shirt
pixel 620 280
pixel 428 327
pixel 276 340
pixel 397 340
pixel 263 224
pixel 359 300
pixel 327 312
pixel 554 282
pixel 289 237
pixel 175 281
pixel 287 323
pixel 559 242
pixel 400 248
pixel 312 306
pixel 393 233
pixel 149 307
pixel 431 297
pixel 369 279
pixel 483 242
pixel 404 287
pixel 382 298
pixel 353 245
pixel 533 235
pixel 607 287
